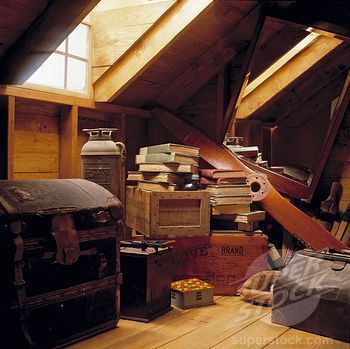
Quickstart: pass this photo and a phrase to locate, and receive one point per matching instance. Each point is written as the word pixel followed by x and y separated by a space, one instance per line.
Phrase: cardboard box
pixel 191 293
pixel 223 260
pixel 160 215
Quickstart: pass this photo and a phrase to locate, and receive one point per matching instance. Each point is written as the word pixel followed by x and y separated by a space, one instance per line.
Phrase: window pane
pixel 51 73
pixel 76 77
pixel 77 41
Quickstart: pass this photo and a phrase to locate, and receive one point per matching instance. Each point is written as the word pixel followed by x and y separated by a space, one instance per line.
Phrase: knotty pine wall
pixel 117 24
pixel 33 131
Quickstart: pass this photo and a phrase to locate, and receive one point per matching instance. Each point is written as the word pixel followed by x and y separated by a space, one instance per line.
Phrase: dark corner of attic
pixel 174 174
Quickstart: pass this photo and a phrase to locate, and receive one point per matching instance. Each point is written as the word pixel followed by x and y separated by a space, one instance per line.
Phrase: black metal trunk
pixel 59 261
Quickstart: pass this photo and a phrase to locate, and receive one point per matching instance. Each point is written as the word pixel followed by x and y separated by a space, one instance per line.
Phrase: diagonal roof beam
pixel 148 48
pixel 214 59
pixel 288 73
pixel 43 36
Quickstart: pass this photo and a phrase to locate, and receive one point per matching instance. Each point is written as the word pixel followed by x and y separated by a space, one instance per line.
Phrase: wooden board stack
pixel 164 167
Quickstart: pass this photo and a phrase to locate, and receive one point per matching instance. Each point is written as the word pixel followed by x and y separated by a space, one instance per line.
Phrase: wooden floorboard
pixel 230 323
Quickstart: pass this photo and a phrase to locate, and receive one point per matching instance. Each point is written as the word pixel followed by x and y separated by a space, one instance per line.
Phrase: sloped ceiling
pixel 219 35
pixel 15 17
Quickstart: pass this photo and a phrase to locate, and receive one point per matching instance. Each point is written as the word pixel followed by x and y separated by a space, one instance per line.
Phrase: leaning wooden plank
pixel 143 53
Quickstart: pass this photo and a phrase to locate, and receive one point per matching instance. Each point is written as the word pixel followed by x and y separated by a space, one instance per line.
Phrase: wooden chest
pixel 167 214
pixel 146 268
pixel 59 261
pixel 223 260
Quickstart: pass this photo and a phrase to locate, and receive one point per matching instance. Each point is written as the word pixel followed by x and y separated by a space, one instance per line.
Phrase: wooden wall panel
pixel 116 25
pixel 36 139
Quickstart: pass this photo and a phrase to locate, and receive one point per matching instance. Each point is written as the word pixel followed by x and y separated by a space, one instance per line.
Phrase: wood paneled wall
pixel 117 24
pixel 36 140
pixel 44 139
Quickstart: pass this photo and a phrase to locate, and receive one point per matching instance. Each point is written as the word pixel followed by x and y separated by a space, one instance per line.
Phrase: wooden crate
pixel 168 214
pixel 223 260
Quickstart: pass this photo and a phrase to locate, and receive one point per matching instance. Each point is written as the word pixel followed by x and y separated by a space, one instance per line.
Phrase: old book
pixel 251 152
pixel 162 177
pixel 230 199
pixel 166 158
pixel 222 173
pixel 251 226
pixel 170 148
pixel 156 186
pixel 248 217
pixel 215 181
pixel 229 209
pixel 229 189
pixel 217 224
pixel 178 168
pixel 235 231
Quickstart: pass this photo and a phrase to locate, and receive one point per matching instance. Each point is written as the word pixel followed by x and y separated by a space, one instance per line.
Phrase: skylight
pixel 67 66
pixel 300 46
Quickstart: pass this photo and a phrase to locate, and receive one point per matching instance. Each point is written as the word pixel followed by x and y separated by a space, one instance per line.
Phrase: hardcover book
pixel 248 217
pixel 166 158
pixel 230 199
pixel 156 186
pixel 170 148
pixel 179 168
pixel 229 189
pixel 161 177
pixel 222 173
pixel 229 209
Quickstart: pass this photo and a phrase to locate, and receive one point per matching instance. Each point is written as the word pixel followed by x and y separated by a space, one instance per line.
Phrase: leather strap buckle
pixel 66 237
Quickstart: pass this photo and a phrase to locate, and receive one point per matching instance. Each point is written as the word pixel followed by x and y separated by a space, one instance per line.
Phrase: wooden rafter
pixel 44 35
pixel 214 59
pixel 146 50
pixel 24 92
pixel 286 75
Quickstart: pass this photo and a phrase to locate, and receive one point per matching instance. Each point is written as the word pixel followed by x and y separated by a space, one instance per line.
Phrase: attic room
pixel 174 174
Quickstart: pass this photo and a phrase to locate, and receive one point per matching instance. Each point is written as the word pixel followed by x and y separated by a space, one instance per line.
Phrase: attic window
pixel 67 66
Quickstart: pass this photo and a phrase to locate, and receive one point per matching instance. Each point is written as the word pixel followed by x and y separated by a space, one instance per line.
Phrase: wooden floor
pixel 230 323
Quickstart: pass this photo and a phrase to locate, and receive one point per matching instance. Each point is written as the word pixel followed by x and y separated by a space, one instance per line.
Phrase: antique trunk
pixel 223 260
pixel 146 268
pixel 160 215
pixel 313 294
pixel 59 261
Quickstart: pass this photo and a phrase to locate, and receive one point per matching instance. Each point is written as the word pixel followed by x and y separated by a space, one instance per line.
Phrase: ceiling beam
pixel 23 92
pixel 286 75
pixel 43 36
pixel 148 48
pixel 214 59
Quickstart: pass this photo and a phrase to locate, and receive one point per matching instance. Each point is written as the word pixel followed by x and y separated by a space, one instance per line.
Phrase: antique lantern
pixel 103 161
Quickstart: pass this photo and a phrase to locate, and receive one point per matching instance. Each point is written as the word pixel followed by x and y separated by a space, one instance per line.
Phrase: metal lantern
pixel 103 161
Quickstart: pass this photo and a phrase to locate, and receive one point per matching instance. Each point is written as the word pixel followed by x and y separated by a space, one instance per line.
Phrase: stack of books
pixel 229 192
pixel 230 198
pixel 164 167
